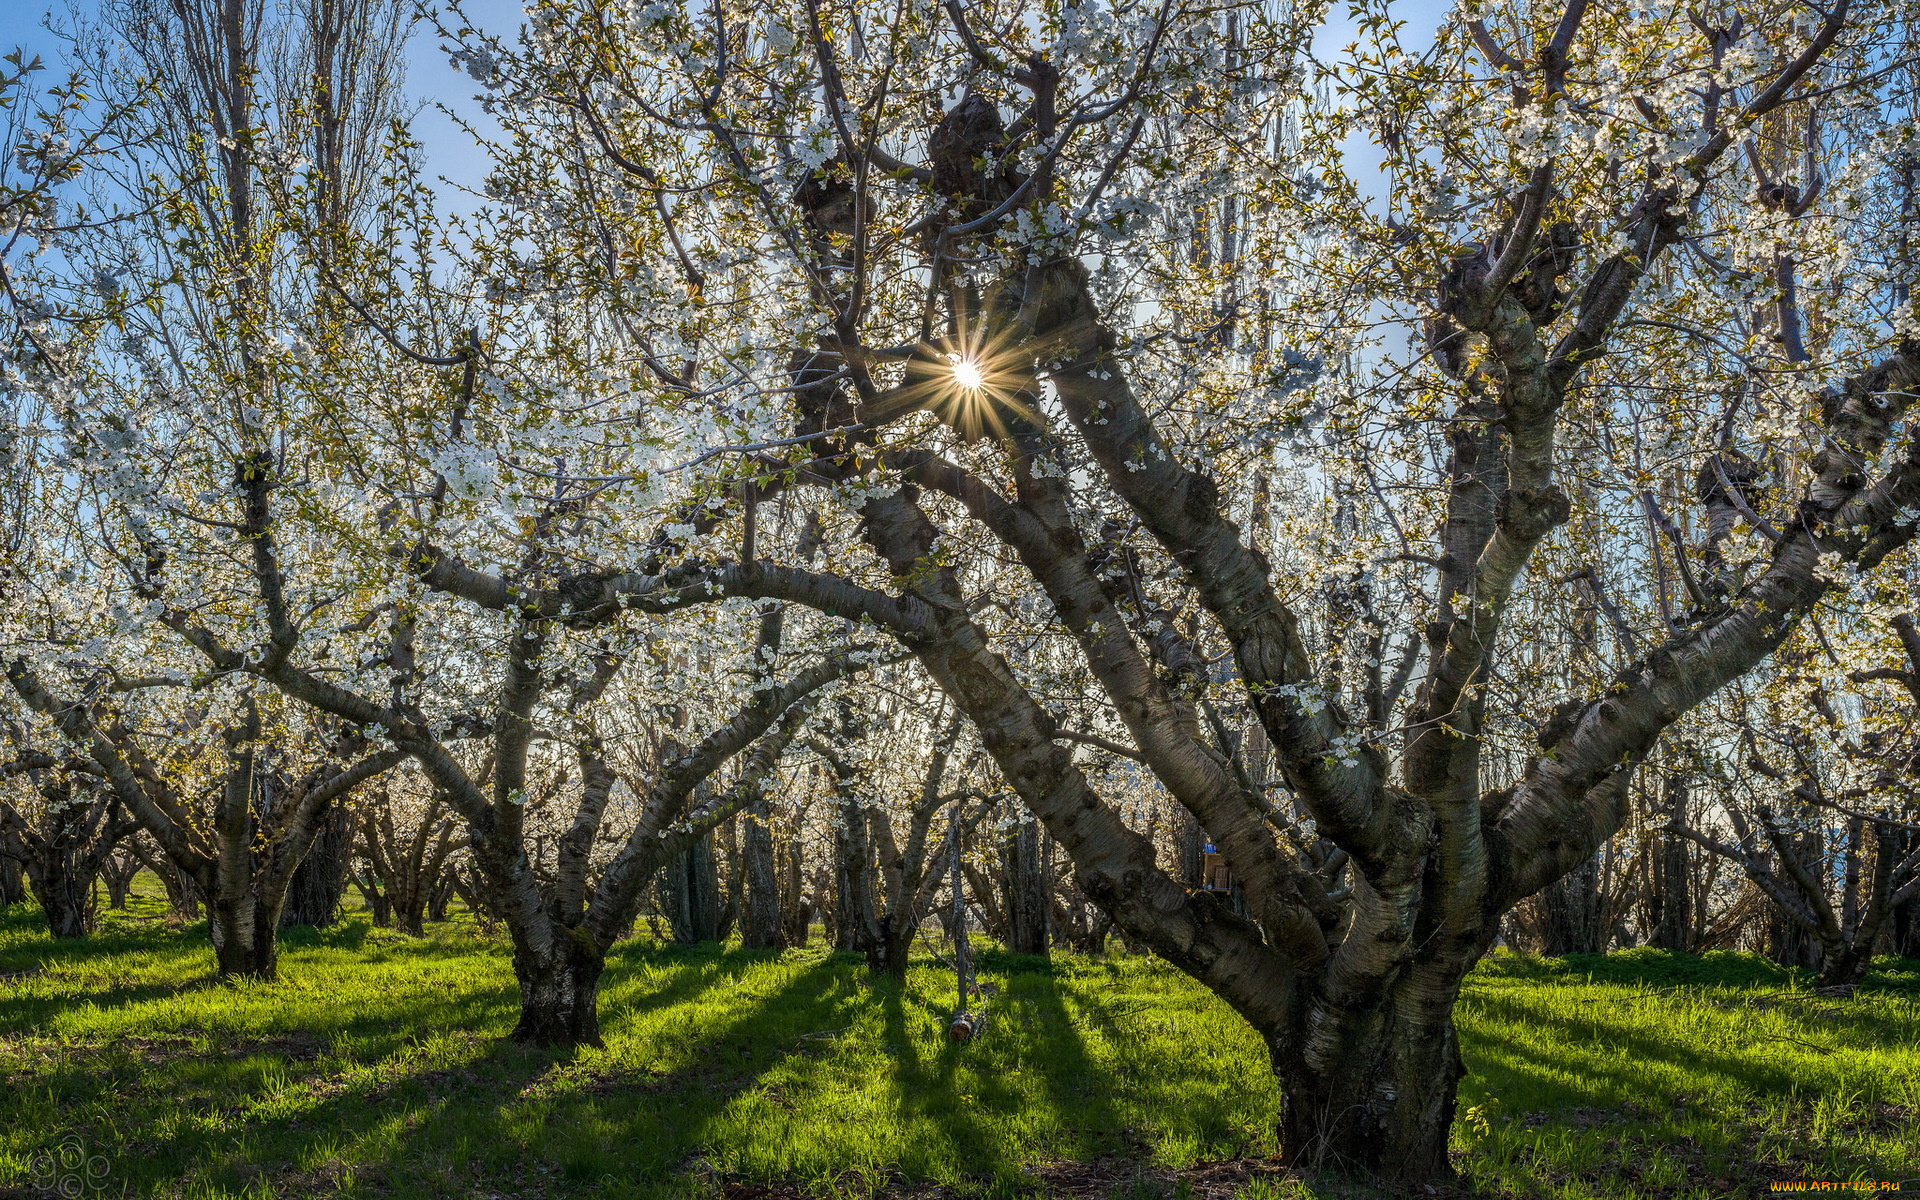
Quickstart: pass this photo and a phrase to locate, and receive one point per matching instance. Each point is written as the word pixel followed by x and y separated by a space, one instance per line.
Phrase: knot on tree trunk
pixel 827 199
pixel 964 155
pixel 820 403
pixel 1566 716
pixel 582 592
pixel 1531 513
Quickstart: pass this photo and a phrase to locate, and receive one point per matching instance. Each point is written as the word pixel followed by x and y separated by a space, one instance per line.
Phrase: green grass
pixel 375 1067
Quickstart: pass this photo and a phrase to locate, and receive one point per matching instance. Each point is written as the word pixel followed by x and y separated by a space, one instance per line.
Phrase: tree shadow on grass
pixel 501 1114
pixel 1648 967
pixel 52 976
pixel 927 1090
pixel 34 1004
pixel 430 1099
pixel 1626 1045
pixel 617 1114
pixel 1592 1085
pixel 1025 1090
pixel 1079 1090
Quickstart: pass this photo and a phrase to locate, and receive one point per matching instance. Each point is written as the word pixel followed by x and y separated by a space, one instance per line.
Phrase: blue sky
pixel 430 78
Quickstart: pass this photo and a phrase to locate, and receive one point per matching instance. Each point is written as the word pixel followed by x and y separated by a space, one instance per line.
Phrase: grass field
pixel 375 1068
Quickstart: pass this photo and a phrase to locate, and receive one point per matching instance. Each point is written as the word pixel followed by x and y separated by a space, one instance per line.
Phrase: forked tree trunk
pixel 560 993
pixel 117 872
pixel 1843 965
pixel 65 892
pixel 410 919
pixel 379 906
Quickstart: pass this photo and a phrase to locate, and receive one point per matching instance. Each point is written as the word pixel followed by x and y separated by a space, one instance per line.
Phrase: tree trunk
pixel 1669 899
pixel 1904 924
pixel 560 993
pixel 379 905
pixel 243 933
pixel 760 925
pixel 796 906
pixel 12 883
pixel 407 898
pixel 1383 1106
pixel 993 918
pixel 890 946
pixel 1026 891
pixel 800 923
pixel 1670 906
pixel 732 895
pixel 1844 964
pixel 1572 910
pixel 410 919
pixel 65 891
pixel 853 919
pixel 690 893
pixel 117 872
pixel 319 882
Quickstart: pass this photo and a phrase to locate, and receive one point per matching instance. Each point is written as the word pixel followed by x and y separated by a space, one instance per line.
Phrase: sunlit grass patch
pixel 1658 1075
pixel 375 1067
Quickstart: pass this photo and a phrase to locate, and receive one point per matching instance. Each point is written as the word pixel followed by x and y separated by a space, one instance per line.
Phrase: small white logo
pixel 69 1169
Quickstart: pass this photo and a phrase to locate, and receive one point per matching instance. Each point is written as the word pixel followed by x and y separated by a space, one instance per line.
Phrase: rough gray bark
pixel 761 925
pixel 12 881
pixel 690 893
pixel 320 881
pixel 1026 889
